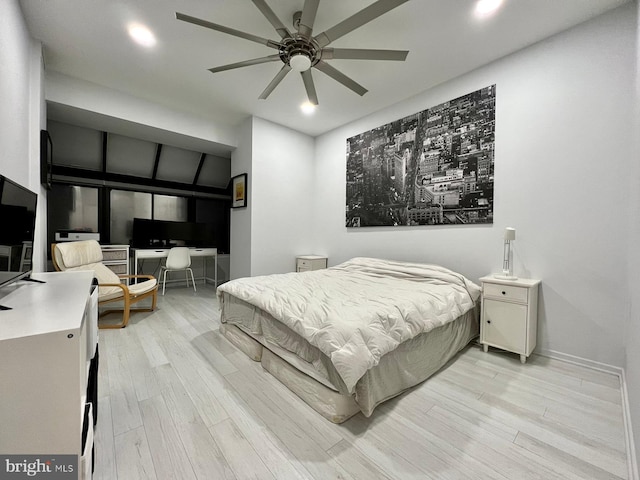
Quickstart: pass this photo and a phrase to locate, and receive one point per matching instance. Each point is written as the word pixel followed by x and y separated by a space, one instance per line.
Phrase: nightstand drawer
pixel 506 292
pixel 306 263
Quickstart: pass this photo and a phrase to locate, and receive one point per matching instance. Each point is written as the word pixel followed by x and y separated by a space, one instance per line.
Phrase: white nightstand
pixel 306 263
pixel 509 317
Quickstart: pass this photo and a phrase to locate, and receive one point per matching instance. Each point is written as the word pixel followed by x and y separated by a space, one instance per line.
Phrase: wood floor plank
pixel 356 462
pixel 214 357
pixel 177 400
pixel 377 449
pixel 273 453
pixel 555 389
pixel 302 443
pixel 148 342
pixel 168 454
pixel 201 384
pixel 243 459
pixel 580 468
pixel 434 461
pixel 206 457
pixel 563 438
pixel 133 459
pixel 321 431
pixel 104 442
pixel 124 401
pixel 412 420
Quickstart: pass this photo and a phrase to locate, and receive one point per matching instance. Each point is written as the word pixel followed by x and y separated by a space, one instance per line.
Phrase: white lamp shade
pixel 509 233
pixel 300 62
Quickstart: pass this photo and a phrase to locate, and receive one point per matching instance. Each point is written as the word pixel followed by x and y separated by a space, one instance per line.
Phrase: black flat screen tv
pixel 17 227
pixel 162 233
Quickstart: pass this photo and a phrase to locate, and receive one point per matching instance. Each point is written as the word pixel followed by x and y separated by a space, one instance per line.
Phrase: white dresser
pixel 47 341
pixel 116 257
pixel 509 319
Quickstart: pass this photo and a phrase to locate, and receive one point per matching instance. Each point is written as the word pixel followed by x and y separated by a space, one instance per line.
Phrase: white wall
pixel 22 113
pixel 283 195
pixel 14 91
pixel 633 331
pixel 562 157
pixel 241 234
pixel 92 97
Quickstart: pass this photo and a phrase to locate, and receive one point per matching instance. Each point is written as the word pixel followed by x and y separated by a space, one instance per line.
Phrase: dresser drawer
pixel 108 255
pixel 506 292
pixel 307 263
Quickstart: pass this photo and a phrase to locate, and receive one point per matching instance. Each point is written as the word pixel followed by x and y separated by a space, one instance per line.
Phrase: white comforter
pixel 362 309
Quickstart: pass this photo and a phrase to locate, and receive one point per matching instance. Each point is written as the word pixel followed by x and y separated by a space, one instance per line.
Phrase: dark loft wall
pixel 101 181
pixel 72 207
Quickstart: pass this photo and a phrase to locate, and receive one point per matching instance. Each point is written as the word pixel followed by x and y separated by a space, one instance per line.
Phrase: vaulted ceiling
pixel 88 39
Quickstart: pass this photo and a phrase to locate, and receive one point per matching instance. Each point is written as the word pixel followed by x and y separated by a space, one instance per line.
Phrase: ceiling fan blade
pixel 340 77
pixel 245 63
pixel 309 87
pixel 365 15
pixel 272 17
pixel 223 29
pixel 309 11
pixel 363 54
pixel 274 83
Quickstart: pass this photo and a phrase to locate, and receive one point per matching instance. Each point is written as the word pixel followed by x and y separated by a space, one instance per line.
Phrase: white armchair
pixel 87 255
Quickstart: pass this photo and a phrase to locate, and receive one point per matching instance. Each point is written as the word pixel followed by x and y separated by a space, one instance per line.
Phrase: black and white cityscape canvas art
pixel 431 168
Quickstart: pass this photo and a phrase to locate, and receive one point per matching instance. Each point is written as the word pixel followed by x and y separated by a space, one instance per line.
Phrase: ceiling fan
pixel 301 51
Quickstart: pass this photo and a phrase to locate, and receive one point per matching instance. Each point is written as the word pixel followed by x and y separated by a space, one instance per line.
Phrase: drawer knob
pixel 488 321
pixel 504 293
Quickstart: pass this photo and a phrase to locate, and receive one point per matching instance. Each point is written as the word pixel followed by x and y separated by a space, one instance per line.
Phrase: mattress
pixel 311 375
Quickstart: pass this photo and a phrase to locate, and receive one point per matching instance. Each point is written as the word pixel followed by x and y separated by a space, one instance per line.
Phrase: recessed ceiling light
pixel 142 35
pixel 485 8
pixel 308 108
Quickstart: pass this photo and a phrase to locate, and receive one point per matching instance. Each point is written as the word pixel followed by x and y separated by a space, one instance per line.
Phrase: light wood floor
pixel 179 401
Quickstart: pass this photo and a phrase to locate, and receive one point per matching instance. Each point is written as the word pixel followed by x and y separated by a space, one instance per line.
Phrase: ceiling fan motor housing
pixel 298 45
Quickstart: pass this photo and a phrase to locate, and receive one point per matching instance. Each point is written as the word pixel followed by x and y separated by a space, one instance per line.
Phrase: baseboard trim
pixel 583 362
pixel 632 461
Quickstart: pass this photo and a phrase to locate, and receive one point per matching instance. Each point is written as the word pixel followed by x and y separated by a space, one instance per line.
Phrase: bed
pixel 349 337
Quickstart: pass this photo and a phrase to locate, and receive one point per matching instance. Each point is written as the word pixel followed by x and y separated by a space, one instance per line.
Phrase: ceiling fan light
pixel 485 8
pixel 308 108
pixel 300 62
pixel 142 35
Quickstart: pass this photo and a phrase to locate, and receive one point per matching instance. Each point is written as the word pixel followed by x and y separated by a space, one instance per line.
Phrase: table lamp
pixel 507 262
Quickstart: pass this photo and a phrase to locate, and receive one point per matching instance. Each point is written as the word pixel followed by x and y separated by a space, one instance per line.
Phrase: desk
pixel 143 253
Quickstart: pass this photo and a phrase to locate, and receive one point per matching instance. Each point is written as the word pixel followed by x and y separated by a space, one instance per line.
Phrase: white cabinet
pixel 116 257
pixel 306 263
pixel 45 349
pixel 509 318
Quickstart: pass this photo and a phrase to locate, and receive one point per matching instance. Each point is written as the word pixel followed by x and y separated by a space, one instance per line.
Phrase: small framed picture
pixel 239 191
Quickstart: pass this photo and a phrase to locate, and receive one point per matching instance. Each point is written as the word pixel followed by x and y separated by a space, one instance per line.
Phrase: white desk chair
pixel 178 259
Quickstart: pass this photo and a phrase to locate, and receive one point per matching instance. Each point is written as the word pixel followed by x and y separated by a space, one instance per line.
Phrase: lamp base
pixel 502 276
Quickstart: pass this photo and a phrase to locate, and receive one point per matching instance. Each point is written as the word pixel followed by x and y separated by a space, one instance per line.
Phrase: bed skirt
pixel 316 383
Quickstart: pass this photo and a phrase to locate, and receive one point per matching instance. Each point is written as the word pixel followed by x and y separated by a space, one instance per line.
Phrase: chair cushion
pixel 75 254
pixel 104 275
pixel 142 287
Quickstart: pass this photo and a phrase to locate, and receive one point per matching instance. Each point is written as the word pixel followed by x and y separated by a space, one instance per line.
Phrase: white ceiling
pixel 87 39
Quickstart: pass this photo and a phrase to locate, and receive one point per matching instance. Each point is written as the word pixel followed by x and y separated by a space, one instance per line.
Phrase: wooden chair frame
pixel 127 297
